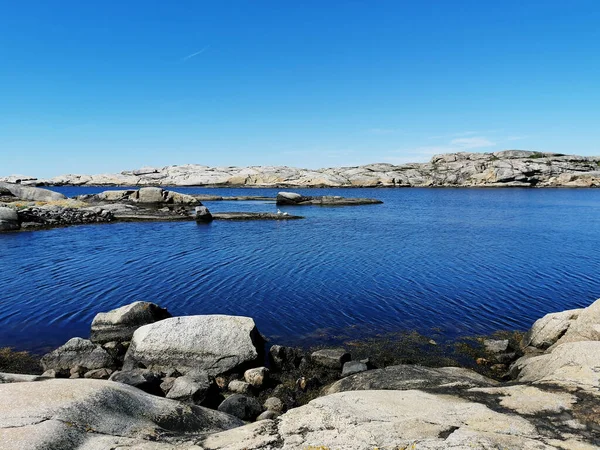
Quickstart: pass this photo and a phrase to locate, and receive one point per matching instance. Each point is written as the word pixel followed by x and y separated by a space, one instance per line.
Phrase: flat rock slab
pixel 385 419
pixel 97 414
pixel 294 199
pixel 253 216
pixel 214 343
pixel 410 377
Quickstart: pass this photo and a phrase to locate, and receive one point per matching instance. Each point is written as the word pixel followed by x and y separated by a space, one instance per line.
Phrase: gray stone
pixel 268 415
pixel 403 377
pixel 274 404
pixel 239 387
pixel 332 358
pixel 285 358
pixel 9 220
pixel 119 324
pixel 190 390
pixel 584 327
pixel 32 193
pixel 98 374
pixel 202 214
pixel 167 384
pixel 549 329
pixel 143 379
pixel 214 343
pixel 496 345
pixel 77 352
pixel 256 377
pixel 288 198
pixel 241 406
pixel 150 195
pixel 352 367
pixel 51 373
pixel 97 415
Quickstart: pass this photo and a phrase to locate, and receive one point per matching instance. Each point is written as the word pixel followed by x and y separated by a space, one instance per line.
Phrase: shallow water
pixel 458 261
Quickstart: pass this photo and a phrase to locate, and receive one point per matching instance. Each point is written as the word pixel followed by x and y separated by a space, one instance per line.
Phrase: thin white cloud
pixel 199 52
pixel 471 142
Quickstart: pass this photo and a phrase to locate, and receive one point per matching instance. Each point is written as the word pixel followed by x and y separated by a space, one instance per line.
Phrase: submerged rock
pixel 119 324
pixel 214 343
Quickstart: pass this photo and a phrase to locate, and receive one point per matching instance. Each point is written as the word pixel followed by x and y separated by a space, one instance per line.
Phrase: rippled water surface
pixel 463 261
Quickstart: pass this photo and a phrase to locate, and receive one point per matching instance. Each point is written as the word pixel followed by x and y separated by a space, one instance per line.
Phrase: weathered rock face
pixel 119 324
pixel 77 352
pixel 214 343
pixel 563 349
pixel 32 193
pixel 145 195
pixel 51 215
pixel 505 168
pixel 388 419
pixel 95 414
pixel 9 220
pixel 410 377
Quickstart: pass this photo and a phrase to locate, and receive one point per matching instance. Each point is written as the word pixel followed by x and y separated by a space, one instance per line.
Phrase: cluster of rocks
pixel 504 168
pixel 215 361
pixel 210 360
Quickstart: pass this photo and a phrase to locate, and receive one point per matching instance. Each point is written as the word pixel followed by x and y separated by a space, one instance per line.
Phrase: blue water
pixel 460 261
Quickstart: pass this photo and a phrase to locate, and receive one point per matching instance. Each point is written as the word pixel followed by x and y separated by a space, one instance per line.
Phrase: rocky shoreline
pixel 508 168
pixel 208 382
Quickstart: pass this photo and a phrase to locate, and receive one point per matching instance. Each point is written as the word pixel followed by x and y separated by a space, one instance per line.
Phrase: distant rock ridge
pixel 508 168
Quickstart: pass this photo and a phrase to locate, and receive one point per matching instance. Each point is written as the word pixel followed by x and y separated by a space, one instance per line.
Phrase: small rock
pixel 301 383
pixel 167 384
pixel 221 382
pixel 241 406
pixel 332 358
pixel 99 374
pixel 143 379
pixel 432 342
pixel 77 370
pixel 50 373
pixel 352 367
pixel 284 358
pixel 190 390
pixel 506 358
pixel 268 415
pixel 239 387
pixel 257 376
pixel 202 214
pixel 274 404
pixel 495 345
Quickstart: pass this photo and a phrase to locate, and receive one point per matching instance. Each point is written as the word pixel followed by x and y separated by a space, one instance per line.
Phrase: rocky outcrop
pixel 145 195
pixel 293 199
pixel 95 414
pixel 119 324
pixel 214 343
pixel 505 168
pixel 31 193
pixel 563 349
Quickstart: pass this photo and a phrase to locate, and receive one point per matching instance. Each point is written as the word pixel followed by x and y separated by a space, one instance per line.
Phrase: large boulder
pixel 410 377
pixel 584 327
pixel 214 343
pixel 95 414
pixel 119 324
pixel 150 195
pixel 290 198
pixel 77 352
pixel 9 219
pixel 387 419
pixel 32 193
pixel 549 329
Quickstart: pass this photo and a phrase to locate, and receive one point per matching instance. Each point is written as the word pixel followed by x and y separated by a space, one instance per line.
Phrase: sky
pixel 105 86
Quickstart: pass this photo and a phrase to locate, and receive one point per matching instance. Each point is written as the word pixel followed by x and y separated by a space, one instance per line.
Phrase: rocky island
pixel 145 379
pixel 508 168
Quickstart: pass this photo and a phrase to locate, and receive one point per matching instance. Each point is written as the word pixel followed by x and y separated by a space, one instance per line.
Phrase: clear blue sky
pixel 104 86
